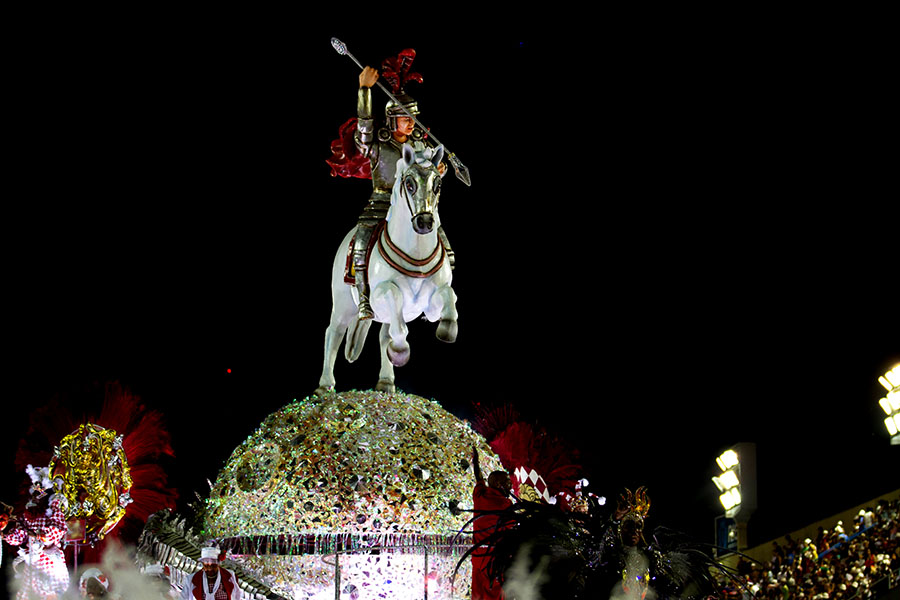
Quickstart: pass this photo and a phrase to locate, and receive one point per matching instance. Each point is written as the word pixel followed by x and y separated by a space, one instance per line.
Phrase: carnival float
pixel 356 494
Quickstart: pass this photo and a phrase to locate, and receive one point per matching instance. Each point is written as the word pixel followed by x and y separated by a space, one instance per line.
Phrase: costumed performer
pixel 211 582
pixel 604 552
pixel 40 567
pixel 358 153
pixel 93 583
pixel 488 500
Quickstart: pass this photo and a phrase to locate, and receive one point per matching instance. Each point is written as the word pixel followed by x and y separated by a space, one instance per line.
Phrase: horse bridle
pixel 385 238
pixel 407 192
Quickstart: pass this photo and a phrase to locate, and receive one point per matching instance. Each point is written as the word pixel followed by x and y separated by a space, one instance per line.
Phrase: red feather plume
pixel 396 70
pixel 519 443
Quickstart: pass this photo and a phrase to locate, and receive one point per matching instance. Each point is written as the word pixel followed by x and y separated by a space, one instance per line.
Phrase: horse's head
pixel 417 188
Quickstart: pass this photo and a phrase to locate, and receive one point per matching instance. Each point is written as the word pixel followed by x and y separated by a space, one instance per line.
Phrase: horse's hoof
pixel 321 390
pixel 385 386
pixel 398 358
pixel 447 330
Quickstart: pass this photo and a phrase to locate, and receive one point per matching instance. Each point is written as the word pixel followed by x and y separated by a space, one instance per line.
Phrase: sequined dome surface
pixel 362 463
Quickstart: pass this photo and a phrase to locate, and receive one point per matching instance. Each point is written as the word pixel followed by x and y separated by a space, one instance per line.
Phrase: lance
pixel 462 172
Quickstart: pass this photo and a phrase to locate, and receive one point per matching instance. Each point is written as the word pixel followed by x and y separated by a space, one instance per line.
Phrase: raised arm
pixel 476 467
pixel 365 127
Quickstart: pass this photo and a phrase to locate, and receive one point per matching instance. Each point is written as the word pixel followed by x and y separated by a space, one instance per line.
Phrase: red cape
pixel 346 160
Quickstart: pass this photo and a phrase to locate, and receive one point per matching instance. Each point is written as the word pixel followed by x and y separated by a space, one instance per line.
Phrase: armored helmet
pixel 396 71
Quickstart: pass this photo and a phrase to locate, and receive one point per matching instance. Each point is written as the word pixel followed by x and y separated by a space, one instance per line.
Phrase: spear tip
pixel 339 45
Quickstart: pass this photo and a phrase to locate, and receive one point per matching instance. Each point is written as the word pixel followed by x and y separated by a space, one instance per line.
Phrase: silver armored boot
pixel 361 269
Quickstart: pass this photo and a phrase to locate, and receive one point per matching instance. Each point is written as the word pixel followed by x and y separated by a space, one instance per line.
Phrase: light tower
pixel 891 403
pixel 737 493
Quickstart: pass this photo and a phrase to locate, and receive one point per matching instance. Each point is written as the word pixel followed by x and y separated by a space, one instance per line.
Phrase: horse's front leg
pixel 333 335
pixel 386 375
pixel 342 311
pixel 443 308
pixel 389 298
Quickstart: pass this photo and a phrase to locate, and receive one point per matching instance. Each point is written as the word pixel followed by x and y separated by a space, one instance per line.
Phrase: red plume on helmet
pixel 145 441
pixel 526 448
pixel 395 70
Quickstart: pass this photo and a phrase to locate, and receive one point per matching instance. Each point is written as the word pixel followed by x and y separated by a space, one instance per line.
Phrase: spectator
pixel 866 518
pixel 849 567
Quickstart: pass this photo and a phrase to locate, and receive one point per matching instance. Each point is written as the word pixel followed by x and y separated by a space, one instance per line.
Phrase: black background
pixel 677 238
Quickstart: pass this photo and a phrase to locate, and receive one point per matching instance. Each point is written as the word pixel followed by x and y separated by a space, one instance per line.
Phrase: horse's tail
pixel 356 338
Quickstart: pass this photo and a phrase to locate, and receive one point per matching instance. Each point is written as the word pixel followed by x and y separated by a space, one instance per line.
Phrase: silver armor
pixel 383 154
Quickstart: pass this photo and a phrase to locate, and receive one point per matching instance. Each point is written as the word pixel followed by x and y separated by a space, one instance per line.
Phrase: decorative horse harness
pixel 419 268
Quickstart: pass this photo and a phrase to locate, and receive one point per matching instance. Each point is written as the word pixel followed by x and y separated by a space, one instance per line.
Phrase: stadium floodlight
pixel 728 459
pixel 890 404
pixel 725 499
pixel 893 424
pixel 728 482
pixel 737 493
pixel 730 499
pixel 891 379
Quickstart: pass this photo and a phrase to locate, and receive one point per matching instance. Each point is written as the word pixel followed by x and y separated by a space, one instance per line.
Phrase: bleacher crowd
pixel 860 559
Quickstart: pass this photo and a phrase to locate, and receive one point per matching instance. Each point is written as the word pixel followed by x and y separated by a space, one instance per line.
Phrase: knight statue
pixel 362 151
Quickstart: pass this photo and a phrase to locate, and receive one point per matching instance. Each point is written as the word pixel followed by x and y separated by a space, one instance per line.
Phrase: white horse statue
pixel 409 275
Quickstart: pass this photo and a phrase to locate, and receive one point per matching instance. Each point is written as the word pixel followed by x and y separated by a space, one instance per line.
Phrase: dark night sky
pixel 675 240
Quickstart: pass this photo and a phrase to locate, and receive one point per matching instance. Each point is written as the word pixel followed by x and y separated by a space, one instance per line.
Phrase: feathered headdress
pixel 395 70
pixel 635 505
pixel 40 479
pixel 544 466
pixel 42 484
